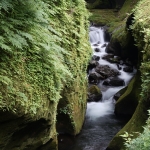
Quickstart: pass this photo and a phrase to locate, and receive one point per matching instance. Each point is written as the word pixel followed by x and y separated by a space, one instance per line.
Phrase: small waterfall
pixel 96 36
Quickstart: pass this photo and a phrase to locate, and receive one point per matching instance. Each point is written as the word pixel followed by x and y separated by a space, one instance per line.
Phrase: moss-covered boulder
pixel 94 94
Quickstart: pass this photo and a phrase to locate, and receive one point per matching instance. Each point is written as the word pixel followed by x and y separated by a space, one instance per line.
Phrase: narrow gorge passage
pixel 101 123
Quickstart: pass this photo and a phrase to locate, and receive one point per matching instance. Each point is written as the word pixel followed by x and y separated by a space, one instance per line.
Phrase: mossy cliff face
pixel 44 55
pixel 140 28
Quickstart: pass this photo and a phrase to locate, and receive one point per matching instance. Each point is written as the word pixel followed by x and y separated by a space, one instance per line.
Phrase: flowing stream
pixel 101 124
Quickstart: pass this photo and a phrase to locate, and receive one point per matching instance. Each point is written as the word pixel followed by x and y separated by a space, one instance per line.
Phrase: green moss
pixel 127 103
pixel 94 89
pixel 115 20
pixel 71 109
pixel 103 16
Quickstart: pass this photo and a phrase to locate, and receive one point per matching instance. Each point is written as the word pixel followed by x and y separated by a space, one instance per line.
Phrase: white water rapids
pixel 106 106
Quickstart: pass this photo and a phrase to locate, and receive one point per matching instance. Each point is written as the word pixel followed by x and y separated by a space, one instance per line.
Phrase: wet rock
pixel 97 49
pixel 119 94
pixel 105 71
pixel 113 60
pixel 97 44
pixel 119 68
pixel 104 45
pixel 128 62
pixel 128 69
pixel 92 64
pixel 109 49
pixel 108 56
pixel 94 94
pixel 114 82
pixel 94 78
pixel 116 96
pixel 97 58
pixel 114 48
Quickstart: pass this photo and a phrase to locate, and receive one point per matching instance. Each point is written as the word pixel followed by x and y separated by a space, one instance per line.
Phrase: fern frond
pixel 5 80
pixel 5 47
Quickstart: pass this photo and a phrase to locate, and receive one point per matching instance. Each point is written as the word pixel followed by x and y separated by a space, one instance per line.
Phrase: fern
pixel 38 53
pixel 5 80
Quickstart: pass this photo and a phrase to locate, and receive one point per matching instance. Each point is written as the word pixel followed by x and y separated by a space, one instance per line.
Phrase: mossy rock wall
pixel 140 28
pixel 71 109
pixel 44 53
pixel 127 103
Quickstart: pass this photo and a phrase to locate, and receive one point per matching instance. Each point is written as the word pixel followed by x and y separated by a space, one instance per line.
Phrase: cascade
pixel 101 124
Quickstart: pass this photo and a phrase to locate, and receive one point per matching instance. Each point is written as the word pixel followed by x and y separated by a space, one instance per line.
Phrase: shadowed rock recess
pixel 43 63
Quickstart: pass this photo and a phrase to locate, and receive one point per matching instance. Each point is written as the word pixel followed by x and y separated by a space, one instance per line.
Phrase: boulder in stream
pixel 114 82
pixel 108 56
pixel 95 77
pixel 128 69
pixel 104 45
pixel 97 49
pixel 94 94
pixel 92 64
pixel 97 44
pixel 95 57
pixel 105 71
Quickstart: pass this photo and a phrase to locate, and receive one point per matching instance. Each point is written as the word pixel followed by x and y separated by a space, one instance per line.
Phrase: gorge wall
pixel 44 55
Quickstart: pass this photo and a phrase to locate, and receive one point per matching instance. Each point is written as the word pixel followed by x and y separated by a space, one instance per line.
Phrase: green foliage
pixel 140 31
pixel 127 137
pixel 142 140
pixel 113 18
pixel 141 34
pixel 43 45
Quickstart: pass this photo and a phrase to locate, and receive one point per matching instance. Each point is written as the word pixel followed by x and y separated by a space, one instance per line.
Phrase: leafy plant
pixel 43 45
pixel 141 142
